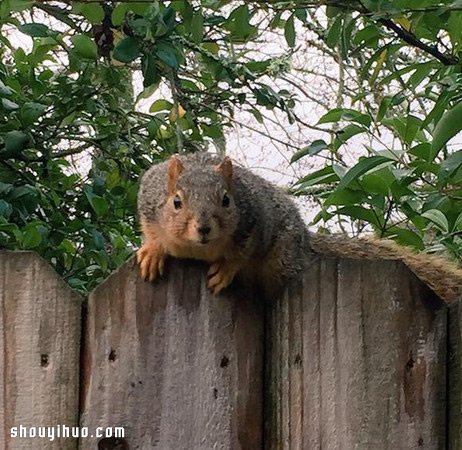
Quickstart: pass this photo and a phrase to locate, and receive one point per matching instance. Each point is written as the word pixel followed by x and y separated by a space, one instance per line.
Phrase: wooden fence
pixel 361 355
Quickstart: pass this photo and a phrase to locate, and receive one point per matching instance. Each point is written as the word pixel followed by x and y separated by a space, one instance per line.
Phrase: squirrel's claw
pixel 220 275
pixel 213 269
pixel 151 261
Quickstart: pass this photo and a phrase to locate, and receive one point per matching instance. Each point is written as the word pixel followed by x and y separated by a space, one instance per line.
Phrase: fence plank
pixel 39 351
pixel 358 361
pixel 176 366
pixel 455 376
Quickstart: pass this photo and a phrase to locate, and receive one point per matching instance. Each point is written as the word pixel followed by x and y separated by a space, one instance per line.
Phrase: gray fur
pixel 264 211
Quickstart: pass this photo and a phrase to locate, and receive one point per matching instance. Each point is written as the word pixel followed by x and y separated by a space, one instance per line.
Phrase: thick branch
pixel 58 13
pixel 448 60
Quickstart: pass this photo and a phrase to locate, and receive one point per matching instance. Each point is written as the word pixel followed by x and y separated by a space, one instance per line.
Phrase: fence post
pixel 176 366
pixel 39 352
pixel 455 376
pixel 357 360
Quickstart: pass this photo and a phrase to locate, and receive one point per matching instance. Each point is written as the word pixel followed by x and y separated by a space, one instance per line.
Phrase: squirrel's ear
pixel 225 168
pixel 175 168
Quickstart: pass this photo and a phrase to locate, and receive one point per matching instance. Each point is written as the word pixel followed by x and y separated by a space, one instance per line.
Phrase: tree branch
pixel 58 13
pixel 406 36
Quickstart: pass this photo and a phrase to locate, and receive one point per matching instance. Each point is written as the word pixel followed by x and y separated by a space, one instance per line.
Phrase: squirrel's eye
pixel 177 203
pixel 226 200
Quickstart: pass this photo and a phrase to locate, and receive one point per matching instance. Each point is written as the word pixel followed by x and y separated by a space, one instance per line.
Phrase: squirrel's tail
pixel 441 275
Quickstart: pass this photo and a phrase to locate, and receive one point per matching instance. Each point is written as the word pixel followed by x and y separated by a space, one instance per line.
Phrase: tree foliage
pixel 73 143
pixel 405 110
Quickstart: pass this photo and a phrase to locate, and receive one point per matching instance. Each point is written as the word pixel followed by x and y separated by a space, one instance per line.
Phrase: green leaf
pixel 31 111
pixel 458 223
pixel 422 151
pixel 289 31
pixel 383 108
pixel 93 12
pixel 412 127
pixel 350 115
pixel 160 105
pixel 5 188
pixel 344 197
pixel 5 9
pixel 98 240
pixel 378 182
pixel 422 71
pixel 335 30
pixel 118 14
pixel 84 46
pixel 168 21
pixel 257 114
pixel 376 56
pixel 360 213
pixel 364 165
pixel 300 14
pixel 5 209
pixel 438 218
pixel 151 75
pixel 100 205
pixel 35 29
pixel 147 92
pixel 451 164
pixel 367 35
pixel 139 8
pixel 313 149
pixel 347 31
pixel 197 27
pixel 31 237
pixel 213 131
pixel 8 105
pixel 325 175
pixel 342 136
pixel 15 141
pixel 406 237
pixel 20 5
pixel 153 127
pixel 167 53
pixel 239 25
pixel 406 127
pixel 5 90
pixel 434 116
pixel 448 126
pixel 127 50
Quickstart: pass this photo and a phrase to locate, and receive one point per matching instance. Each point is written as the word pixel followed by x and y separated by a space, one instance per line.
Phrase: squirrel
pixel 201 206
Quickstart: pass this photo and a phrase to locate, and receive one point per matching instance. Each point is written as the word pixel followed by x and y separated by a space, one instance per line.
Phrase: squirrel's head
pixel 199 208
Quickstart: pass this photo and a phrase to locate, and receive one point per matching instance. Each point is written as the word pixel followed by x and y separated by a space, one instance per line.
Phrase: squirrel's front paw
pixel 151 259
pixel 220 275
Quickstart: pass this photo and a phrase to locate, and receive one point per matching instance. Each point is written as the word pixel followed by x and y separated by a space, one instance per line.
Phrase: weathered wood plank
pixel 176 366
pixel 357 362
pixel 455 376
pixel 39 351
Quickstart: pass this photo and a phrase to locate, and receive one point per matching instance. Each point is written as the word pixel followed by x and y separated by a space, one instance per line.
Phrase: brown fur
pixel 259 235
pixel 175 168
pixel 225 168
pixel 177 231
pixel 440 274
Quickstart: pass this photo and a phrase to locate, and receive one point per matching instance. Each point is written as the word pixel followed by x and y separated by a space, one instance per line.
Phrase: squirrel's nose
pixel 204 230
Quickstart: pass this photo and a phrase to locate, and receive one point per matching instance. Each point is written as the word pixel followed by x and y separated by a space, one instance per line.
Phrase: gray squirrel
pixel 204 207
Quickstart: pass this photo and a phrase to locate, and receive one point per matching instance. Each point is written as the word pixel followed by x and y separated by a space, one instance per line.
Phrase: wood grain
pixel 357 360
pixel 455 376
pixel 176 366
pixel 357 356
pixel 39 351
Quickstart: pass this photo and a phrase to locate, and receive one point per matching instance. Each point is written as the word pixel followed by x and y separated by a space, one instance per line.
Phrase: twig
pixel 447 60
